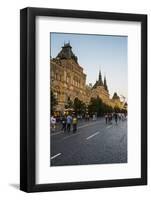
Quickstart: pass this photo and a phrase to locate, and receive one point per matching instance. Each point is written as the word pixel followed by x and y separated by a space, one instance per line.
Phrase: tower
pixel 105 84
pixel 67 53
pixel 100 79
pixel 99 82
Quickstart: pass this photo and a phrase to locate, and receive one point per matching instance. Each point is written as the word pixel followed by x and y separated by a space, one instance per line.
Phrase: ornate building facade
pixel 68 81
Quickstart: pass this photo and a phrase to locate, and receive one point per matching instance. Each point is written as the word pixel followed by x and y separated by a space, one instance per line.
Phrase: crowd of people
pixel 68 122
pixel 116 116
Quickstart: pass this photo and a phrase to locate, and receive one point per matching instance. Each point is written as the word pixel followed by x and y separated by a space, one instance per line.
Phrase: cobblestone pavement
pixel 93 143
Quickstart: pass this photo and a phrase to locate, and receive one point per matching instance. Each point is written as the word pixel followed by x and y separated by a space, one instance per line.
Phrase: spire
pixel 105 84
pixel 99 82
pixel 100 78
pixel 115 96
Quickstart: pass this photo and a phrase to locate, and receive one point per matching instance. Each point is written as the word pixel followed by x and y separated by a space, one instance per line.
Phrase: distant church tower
pixel 100 79
pixel 99 82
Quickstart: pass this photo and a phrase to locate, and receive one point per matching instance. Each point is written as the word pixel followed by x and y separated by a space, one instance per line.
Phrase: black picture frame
pixel 28 98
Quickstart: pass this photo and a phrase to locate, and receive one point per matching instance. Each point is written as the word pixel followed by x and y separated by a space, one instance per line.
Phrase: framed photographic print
pixel 83 99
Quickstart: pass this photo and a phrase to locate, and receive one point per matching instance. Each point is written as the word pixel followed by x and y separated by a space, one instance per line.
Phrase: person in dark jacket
pixel 64 124
pixel 115 117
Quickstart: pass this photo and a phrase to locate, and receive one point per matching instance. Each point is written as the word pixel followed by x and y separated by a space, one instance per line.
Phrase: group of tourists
pixel 68 122
pixel 116 116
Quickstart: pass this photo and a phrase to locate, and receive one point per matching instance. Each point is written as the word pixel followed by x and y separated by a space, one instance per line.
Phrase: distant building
pixel 100 89
pixel 68 81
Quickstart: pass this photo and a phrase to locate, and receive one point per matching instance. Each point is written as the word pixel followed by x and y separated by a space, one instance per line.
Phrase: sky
pixel 98 52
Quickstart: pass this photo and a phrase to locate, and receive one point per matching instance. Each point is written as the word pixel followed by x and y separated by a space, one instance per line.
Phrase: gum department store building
pixel 69 81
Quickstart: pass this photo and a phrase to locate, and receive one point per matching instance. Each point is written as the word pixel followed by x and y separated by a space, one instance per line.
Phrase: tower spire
pixel 105 84
pixel 100 78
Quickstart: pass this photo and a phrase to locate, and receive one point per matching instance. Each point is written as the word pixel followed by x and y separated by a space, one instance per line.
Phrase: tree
pixel 96 106
pixel 79 106
pixel 53 102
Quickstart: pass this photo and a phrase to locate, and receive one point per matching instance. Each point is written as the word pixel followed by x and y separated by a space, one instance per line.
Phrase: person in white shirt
pixel 53 123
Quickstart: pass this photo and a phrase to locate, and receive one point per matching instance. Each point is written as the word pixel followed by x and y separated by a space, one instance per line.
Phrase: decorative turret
pixel 99 82
pixel 115 96
pixel 66 53
pixel 105 84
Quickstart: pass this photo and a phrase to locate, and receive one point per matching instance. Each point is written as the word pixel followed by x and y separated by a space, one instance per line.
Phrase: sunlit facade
pixel 68 81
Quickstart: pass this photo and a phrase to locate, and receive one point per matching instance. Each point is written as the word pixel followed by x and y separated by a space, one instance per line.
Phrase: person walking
pixel 94 117
pixel 53 123
pixel 64 124
pixel 69 121
pixel 74 124
pixel 116 116
pixel 106 118
pixel 110 118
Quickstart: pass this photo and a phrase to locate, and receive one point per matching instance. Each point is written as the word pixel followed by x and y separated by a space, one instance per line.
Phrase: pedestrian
pixel 87 117
pixel 74 124
pixel 119 116
pixel 94 117
pixel 64 124
pixel 110 118
pixel 115 116
pixel 123 117
pixel 53 123
pixel 69 121
pixel 106 118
